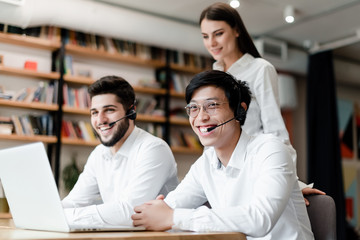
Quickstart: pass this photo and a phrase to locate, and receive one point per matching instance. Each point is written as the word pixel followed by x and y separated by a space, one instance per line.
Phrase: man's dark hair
pixel 236 91
pixel 114 85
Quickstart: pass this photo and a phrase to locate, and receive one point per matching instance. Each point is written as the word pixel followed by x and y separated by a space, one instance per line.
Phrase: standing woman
pixel 229 43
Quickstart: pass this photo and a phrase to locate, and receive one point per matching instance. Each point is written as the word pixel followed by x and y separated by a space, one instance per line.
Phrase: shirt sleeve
pixel 272 188
pixel 154 165
pixel 189 193
pixel 266 91
pixel 267 94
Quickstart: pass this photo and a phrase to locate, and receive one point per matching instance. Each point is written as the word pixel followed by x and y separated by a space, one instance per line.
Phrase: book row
pixel 44 32
pixel 178 81
pixel 180 138
pixel 157 130
pixel 45 92
pixel 27 125
pixel 77 130
pixel 76 97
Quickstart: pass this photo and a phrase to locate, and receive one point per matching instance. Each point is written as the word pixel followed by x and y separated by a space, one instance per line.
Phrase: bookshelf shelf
pixel 186 69
pixel 28 73
pixel 78 79
pixel 137 89
pixel 73 110
pixel 102 54
pixel 5 215
pixel 28 41
pixel 175 94
pixel 149 90
pixel 140 117
pixel 79 142
pixel 150 118
pixel 29 105
pixel 34 138
pixel 185 150
pixel 179 121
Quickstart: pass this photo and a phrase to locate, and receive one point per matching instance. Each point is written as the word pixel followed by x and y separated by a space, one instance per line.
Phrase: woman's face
pixel 219 39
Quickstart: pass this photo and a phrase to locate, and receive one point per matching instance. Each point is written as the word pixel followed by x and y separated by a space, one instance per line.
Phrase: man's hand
pixel 155 215
pixel 308 191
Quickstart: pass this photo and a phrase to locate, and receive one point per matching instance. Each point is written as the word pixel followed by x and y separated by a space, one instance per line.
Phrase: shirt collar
pixel 238 156
pixel 124 150
pixel 244 60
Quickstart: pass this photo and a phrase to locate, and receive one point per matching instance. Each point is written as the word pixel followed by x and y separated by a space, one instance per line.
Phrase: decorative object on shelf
pixel 30 65
pixel 70 174
pixel 6 125
pixel 1 60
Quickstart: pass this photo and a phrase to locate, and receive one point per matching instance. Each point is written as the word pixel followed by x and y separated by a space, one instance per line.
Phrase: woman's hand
pixel 308 191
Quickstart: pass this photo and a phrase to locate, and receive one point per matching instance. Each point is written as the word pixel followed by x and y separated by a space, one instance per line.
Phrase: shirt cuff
pixel 182 218
pixel 303 185
pixel 83 216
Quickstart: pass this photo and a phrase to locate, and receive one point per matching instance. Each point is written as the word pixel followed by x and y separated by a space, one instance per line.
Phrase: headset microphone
pixel 130 114
pixel 212 128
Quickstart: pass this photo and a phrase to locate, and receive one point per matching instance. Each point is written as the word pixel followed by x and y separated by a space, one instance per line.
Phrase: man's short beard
pixel 118 135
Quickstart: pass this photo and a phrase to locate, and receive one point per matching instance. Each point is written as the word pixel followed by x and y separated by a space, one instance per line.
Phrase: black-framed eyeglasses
pixel 193 109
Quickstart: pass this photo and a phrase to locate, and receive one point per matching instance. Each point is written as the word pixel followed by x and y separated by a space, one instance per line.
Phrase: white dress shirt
pixel 256 194
pixel 112 185
pixel 263 115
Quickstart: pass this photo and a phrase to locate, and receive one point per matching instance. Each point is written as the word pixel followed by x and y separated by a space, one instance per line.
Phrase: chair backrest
pixel 322 215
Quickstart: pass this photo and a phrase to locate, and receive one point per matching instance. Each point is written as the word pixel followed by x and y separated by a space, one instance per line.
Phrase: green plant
pixel 70 174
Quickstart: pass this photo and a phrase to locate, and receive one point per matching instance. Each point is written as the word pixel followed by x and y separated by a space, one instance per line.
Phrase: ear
pixel 244 106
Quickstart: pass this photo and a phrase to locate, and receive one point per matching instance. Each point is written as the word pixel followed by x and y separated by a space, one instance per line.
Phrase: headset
pixel 130 114
pixel 240 112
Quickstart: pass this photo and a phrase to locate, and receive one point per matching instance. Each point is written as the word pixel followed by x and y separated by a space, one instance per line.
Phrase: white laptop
pixel 32 194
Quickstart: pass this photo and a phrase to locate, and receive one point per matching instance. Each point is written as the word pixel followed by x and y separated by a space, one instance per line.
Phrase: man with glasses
pixel 250 182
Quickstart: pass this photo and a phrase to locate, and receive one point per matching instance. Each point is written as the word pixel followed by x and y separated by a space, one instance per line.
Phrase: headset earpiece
pixel 131 113
pixel 240 114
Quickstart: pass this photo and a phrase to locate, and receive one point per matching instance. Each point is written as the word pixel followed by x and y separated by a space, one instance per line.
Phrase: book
pixel 6 128
pixel 17 125
pixel 6 125
pixel 68 65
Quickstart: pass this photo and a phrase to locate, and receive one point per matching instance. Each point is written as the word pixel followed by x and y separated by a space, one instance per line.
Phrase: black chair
pixel 322 215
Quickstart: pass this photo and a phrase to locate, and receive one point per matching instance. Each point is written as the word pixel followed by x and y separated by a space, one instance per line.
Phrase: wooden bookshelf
pixel 78 79
pixel 149 90
pixel 27 138
pixel 89 53
pixel 139 117
pixel 186 69
pixel 175 94
pixel 28 73
pixel 28 41
pixel 74 110
pixel 79 142
pixel 179 121
pixel 185 150
pixel 29 105
pixel 5 215
pixel 102 54
pixel 138 89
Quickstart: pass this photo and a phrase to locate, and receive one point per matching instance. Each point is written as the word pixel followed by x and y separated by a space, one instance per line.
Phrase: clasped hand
pixel 154 215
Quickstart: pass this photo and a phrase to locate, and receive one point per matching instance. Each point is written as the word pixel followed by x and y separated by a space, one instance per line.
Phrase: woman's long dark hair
pixel 223 12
